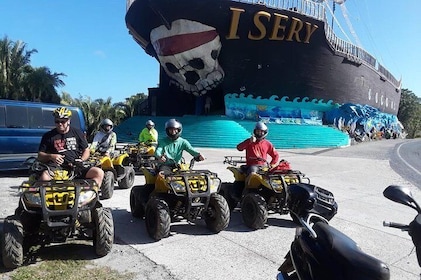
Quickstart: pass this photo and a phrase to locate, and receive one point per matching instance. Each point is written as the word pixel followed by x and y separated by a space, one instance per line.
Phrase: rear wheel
pixel 104 231
pixel 12 242
pixel 157 219
pixel 254 211
pixel 217 216
pixel 128 180
pixel 107 187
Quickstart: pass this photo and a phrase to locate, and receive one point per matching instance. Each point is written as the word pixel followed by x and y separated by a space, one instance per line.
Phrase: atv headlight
pixel 277 184
pixel 178 187
pixel 33 199
pixel 214 184
pixel 86 197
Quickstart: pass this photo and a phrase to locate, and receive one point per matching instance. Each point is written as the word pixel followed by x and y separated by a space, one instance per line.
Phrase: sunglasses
pixel 60 121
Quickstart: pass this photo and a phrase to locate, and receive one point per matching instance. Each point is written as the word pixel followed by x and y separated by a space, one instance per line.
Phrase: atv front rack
pixel 235 160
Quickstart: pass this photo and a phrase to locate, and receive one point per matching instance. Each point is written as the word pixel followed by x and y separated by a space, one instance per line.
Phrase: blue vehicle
pixel 22 125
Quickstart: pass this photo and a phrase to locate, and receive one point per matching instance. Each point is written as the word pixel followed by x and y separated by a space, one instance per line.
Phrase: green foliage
pixel 20 81
pixel 67 269
pixel 409 113
pixel 97 110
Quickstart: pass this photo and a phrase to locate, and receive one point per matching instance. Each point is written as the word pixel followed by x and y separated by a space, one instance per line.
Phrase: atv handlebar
pixel 403 227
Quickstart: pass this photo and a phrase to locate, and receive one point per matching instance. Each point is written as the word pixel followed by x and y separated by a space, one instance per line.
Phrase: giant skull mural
pixel 189 52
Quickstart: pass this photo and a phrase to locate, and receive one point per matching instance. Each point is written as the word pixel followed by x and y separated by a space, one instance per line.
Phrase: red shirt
pixel 260 148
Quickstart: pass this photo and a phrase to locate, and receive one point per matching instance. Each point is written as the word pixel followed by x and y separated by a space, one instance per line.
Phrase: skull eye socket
pixel 171 68
pixel 215 54
pixel 197 63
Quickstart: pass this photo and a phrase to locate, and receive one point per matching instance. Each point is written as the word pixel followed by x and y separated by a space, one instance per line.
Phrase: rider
pixel 170 149
pixel 64 145
pixel 257 148
pixel 149 135
pixel 105 139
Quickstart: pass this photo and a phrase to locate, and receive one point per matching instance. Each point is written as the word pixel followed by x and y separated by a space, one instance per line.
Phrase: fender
pixel 119 159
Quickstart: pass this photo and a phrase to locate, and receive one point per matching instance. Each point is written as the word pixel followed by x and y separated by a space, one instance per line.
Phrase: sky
pixel 89 42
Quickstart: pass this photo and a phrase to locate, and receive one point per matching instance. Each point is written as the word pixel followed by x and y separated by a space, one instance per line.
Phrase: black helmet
pixel 263 127
pixel 104 123
pixel 173 123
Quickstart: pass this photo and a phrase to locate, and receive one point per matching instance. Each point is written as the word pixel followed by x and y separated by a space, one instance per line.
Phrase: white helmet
pixel 260 126
pixel 104 123
pixel 150 123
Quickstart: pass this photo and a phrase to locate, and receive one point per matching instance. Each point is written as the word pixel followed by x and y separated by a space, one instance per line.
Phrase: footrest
pixel 197 204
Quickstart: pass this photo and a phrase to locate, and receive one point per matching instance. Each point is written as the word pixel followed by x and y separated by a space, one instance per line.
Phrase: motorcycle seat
pixel 348 258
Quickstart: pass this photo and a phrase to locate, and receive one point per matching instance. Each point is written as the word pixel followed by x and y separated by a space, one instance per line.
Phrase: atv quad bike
pixel 140 154
pixel 56 211
pixel 265 192
pixel 184 194
pixel 116 169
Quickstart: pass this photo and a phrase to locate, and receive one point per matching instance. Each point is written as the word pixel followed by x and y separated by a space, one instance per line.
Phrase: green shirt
pixel 173 149
pixel 148 135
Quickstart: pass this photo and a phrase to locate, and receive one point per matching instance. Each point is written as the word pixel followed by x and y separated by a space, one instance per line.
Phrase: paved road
pixel 357 176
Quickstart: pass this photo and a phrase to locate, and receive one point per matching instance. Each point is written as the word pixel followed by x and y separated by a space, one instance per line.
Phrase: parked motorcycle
pixel 404 196
pixel 319 251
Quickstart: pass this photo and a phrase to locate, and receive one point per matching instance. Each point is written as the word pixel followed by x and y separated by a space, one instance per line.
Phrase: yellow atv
pixel 140 154
pixel 56 211
pixel 184 194
pixel 116 169
pixel 263 192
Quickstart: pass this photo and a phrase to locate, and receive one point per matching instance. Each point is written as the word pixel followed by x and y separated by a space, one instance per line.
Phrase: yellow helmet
pixel 62 113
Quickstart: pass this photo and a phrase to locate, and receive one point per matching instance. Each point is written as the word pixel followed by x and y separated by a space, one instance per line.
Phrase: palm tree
pixel 14 65
pixel 131 107
pixel 41 85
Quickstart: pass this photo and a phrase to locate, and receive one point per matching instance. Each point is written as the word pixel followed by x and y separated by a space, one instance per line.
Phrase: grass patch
pixel 69 270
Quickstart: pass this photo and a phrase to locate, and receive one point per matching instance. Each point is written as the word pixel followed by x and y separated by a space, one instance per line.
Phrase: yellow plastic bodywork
pixel 57 199
pixel 256 180
pixel 58 194
pixel 238 174
pixel 196 182
pixel 118 160
pixel 141 149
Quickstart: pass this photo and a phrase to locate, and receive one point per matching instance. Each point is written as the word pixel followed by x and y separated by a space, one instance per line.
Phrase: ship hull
pixel 265 52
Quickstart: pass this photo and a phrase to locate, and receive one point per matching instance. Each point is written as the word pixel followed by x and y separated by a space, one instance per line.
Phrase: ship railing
pixel 317 11
pixel 357 55
pixel 128 4
pixel 307 7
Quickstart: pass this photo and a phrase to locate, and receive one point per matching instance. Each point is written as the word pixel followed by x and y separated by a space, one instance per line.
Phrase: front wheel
pixel 128 180
pixel 157 219
pixel 12 242
pixel 107 187
pixel 104 230
pixel 217 216
pixel 138 199
pixel 254 211
pixel 226 192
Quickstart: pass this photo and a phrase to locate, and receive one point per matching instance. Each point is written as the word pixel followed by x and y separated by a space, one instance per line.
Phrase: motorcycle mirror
pixel 401 195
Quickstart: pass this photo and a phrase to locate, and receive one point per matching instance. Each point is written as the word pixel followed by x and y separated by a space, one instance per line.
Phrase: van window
pixel 17 117
pixel 32 117
pixel 2 116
